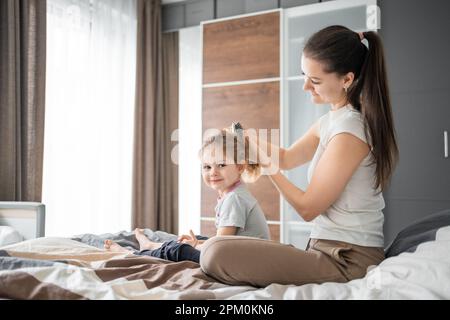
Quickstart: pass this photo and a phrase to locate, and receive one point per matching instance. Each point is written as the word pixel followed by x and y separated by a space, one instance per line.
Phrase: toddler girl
pixel 225 168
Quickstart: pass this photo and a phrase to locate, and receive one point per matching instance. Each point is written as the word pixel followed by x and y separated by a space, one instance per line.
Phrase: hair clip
pixel 235 126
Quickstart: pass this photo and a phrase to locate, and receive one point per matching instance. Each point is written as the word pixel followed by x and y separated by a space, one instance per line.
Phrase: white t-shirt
pixel 238 208
pixel 356 216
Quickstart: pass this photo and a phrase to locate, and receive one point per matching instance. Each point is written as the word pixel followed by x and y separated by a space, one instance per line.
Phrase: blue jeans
pixel 174 251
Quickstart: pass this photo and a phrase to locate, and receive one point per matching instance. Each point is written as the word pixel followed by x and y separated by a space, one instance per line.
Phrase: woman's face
pixel 325 88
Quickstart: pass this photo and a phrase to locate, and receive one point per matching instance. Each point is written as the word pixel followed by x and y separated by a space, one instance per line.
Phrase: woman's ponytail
pixel 376 109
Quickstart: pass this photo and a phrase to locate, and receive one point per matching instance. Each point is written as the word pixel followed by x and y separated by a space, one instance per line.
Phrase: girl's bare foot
pixel 144 242
pixel 112 246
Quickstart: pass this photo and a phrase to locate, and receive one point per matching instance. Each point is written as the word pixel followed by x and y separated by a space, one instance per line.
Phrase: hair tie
pixel 361 35
pixel 236 128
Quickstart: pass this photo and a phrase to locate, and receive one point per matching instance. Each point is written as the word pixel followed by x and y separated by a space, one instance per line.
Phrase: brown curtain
pixel 169 195
pixel 22 98
pixel 154 187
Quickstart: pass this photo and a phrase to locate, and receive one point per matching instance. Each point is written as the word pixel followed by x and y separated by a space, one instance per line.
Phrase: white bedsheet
pixel 423 274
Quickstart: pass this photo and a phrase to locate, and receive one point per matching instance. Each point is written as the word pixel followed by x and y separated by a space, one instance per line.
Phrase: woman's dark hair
pixel 341 51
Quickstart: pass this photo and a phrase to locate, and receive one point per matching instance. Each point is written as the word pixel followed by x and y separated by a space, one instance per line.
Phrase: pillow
pixel 422 230
pixel 9 235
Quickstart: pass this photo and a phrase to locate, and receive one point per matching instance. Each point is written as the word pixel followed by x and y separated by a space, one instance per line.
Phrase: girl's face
pixel 325 88
pixel 219 174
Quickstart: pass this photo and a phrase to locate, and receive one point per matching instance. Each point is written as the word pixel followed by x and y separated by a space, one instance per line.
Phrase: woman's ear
pixel 241 168
pixel 348 79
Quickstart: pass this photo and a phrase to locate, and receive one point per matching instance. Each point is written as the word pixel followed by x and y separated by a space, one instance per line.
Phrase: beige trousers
pixel 239 260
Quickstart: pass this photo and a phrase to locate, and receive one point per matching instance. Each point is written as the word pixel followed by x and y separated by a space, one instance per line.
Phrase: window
pixel 91 62
pixel 190 130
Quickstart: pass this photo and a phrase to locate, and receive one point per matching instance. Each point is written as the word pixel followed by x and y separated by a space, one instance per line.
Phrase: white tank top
pixel 356 216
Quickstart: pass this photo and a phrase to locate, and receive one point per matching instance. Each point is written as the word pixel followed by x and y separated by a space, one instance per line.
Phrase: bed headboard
pixel 28 218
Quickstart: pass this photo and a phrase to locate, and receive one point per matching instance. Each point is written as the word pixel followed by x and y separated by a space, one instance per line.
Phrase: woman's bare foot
pixel 144 242
pixel 112 246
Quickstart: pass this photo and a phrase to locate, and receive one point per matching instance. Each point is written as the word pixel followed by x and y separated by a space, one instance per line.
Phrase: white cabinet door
pixel 298 112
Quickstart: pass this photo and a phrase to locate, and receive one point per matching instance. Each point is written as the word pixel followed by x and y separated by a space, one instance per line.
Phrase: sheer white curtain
pixel 91 61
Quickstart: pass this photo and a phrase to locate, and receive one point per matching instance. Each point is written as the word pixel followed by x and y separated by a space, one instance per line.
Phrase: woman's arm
pixel 301 152
pixel 339 161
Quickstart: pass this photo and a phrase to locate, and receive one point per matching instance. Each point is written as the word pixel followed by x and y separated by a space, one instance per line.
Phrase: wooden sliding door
pixel 241 82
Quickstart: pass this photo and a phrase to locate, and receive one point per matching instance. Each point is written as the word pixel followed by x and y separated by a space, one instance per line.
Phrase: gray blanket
pixel 124 238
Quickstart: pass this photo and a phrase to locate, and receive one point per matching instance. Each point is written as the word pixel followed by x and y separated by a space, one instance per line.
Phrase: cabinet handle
pixel 445 144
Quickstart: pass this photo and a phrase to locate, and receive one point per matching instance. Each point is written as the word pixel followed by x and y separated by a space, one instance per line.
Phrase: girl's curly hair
pixel 236 147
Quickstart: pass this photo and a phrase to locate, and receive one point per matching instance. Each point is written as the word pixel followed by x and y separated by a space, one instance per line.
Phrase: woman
pixel 352 150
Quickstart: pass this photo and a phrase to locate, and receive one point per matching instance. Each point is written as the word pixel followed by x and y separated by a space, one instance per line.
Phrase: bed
pixel 21 221
pixel 417 267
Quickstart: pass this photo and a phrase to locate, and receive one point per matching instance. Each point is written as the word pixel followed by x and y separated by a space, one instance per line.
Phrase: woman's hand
pixel 189 239
pixel 257 154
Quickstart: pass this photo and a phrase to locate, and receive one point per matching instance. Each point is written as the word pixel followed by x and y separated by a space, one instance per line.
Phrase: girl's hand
pixel 190 239
pixel 184 237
